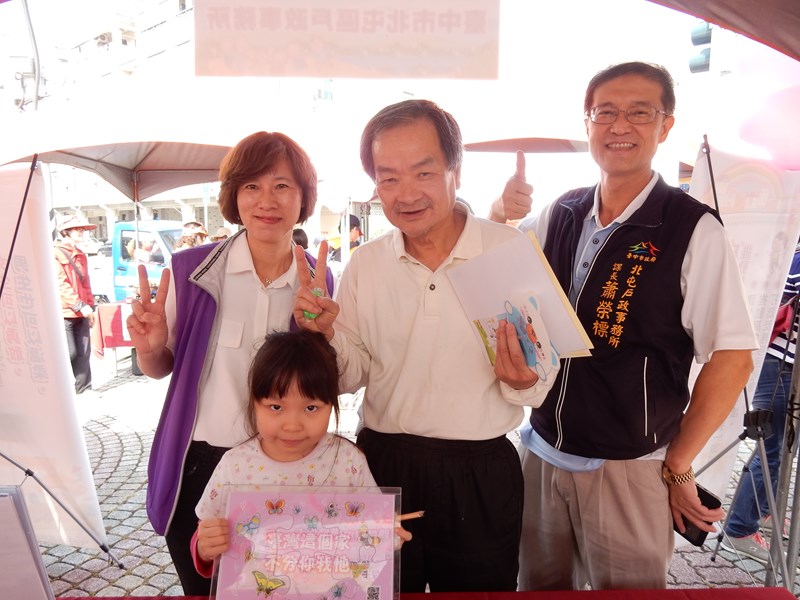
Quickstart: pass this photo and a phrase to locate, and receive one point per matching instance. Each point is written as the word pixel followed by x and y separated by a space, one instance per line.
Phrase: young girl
pixel 294 386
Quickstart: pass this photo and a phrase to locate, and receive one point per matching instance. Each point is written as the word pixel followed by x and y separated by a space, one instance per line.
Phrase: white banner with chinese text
pixel 39 428
pixel 411 39
pixel 760 207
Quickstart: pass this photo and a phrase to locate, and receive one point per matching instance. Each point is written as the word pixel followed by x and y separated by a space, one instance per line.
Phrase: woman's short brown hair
pixel 256 155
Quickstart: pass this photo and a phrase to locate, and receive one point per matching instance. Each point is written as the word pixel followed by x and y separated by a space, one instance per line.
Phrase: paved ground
pixel 119 417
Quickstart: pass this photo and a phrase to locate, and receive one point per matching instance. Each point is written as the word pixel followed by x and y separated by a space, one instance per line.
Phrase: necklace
pixel 280 270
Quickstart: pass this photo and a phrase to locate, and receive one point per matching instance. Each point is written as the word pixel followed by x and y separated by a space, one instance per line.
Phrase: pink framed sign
pixel 296 543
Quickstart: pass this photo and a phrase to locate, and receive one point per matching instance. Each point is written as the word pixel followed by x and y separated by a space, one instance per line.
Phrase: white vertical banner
pixel 39 428
pixel 760 207
pixel 440 39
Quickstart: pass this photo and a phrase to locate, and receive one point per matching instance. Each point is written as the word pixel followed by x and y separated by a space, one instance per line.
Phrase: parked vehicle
pixel 105 249
pixel 156 240
pixel 90 245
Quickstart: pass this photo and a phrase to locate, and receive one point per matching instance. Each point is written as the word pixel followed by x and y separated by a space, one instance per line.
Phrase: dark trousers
pixel 471 493
pixel 80 351
pixel 200 463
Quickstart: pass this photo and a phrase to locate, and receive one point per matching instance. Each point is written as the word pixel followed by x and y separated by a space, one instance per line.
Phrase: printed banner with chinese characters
pixel 39 428
pixel 760 206
pixel 448 39
pixel 310 543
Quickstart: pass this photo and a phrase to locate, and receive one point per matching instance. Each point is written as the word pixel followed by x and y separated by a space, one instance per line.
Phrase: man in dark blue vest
pixel 607 458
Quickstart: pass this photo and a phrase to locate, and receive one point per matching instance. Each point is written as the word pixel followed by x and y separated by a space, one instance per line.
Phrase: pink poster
pixel 292 543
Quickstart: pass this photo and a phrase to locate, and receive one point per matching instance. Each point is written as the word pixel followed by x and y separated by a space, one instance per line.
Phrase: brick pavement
pixel 119 417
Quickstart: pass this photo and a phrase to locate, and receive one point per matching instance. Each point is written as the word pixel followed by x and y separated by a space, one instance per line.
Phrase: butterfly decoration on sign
pixel 359 569
pixel 267 585
pixel 331 510
pixel 366 539
pixel 249 527
pixel 275 530
pixel 353 509
pixel 337 591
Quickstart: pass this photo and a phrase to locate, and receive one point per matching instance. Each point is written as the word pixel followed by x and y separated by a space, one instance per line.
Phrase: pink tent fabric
pixel 777 128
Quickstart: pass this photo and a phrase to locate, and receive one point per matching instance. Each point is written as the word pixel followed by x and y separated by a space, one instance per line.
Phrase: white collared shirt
pixel 248 311
pixel 402 332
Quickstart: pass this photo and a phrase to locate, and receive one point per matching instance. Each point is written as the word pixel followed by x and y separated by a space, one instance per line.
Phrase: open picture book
pixel 521 311
pixel 514 282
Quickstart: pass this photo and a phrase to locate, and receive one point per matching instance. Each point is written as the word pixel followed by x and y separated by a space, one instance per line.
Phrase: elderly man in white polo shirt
pixel 435 413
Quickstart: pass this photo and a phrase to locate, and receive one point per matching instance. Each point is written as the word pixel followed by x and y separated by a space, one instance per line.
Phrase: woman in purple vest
pixel 209 316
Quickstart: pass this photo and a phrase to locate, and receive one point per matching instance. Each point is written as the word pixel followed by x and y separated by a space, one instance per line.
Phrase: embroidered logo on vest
pixel 618 291
pixel 644 251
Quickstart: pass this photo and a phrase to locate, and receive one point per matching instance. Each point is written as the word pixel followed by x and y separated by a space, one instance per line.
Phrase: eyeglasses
pixel 638 115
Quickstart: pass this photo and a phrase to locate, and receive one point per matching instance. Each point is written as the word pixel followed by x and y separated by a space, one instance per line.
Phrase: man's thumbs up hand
pixel 515 201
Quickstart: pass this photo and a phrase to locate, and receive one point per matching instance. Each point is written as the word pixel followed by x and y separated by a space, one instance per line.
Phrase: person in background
pixel 653 279
pixel 222 233
pixel 288 401
pixel 197 230
pixel 435 417
pixel 184 242
pixel 354 238
pixel 156 254
pixel 300 237
pixel 77 300
pixel 224 299
pixel 750 509
pixel 143 252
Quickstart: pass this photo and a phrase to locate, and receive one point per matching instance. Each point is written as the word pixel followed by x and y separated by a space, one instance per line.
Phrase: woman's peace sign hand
pixel 313 308
pixel 147 325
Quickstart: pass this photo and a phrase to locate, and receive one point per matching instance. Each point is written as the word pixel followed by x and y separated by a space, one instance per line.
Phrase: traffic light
pixel 701 36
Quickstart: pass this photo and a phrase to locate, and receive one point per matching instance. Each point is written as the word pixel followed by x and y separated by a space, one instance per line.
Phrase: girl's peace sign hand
pixel 313 308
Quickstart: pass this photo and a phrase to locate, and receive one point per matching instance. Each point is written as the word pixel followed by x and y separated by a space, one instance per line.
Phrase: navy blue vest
pixel 628 398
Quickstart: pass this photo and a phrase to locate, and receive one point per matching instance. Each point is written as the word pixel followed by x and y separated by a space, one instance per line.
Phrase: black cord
pixel 707 151
pixel 791 404
pixel 782 367
pixel 19 222
pixel 30 474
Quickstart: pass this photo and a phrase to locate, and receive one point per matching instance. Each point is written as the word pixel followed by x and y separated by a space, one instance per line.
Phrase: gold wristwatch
pixel 673 479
